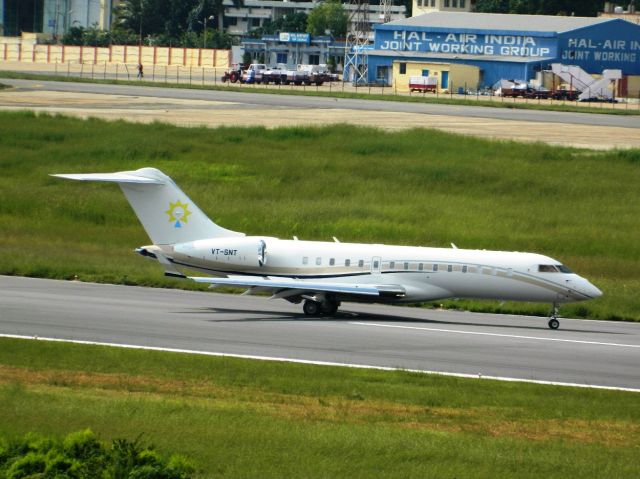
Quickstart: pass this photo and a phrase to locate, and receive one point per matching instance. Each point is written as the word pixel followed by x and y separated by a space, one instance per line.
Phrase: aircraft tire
pixel 329 307
pixel 554 323
pixel 311 308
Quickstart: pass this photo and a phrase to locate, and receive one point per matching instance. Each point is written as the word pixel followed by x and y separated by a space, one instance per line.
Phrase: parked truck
pixel 303 74
pixel 423 84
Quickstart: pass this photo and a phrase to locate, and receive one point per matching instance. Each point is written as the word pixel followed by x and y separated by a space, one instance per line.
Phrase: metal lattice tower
pixel 355 55
pixel 385 10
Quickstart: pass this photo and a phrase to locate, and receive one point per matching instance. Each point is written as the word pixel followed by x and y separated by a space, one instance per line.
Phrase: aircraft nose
pixel 593 291
pixel 589 289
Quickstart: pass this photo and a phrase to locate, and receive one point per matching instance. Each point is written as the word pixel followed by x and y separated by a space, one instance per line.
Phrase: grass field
pixel 416 187
pixel 241 418
pixel 597 108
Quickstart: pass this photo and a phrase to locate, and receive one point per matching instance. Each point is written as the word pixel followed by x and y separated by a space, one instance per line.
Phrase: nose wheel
pixel 553 320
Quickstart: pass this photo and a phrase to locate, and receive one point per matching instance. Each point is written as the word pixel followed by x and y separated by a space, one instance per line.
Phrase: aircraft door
pixel 376 264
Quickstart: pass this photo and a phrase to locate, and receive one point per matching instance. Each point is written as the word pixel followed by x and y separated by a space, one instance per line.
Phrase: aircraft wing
pixel 300 287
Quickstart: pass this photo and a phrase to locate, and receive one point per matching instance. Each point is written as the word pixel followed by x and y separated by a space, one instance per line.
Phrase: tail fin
pixel 166 213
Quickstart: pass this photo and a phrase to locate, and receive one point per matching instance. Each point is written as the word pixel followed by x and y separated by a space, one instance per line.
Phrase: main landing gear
pixel 553 320
pixel 326 307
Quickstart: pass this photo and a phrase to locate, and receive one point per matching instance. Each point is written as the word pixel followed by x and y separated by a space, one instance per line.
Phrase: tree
pixel 329 15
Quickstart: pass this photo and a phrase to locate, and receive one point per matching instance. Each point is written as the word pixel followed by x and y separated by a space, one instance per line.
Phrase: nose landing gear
pixel 553 320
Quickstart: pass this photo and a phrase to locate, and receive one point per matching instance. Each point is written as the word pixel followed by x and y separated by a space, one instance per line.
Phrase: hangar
pixel 502 46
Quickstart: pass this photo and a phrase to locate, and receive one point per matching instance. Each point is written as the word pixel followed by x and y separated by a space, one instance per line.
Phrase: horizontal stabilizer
pixel 123 177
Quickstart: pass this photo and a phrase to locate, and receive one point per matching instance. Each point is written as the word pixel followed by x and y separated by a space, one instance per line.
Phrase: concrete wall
pixel 459 75
pixel 193 57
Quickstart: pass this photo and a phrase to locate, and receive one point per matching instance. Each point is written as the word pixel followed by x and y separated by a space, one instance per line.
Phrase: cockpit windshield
pixel 553 268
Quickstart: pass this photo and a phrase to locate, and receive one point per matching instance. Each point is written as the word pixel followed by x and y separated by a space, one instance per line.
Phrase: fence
pixel 124 54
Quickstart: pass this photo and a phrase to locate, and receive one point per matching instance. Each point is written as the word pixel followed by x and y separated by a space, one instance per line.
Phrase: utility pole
pixel 204 32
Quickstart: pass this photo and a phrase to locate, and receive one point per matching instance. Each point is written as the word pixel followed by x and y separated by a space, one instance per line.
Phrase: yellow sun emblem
pixel 178 213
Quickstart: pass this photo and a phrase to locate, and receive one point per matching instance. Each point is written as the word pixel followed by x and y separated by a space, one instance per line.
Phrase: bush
pixel 81 455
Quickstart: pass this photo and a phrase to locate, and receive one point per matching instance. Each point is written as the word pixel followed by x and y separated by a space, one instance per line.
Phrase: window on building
pixel 463 3
pixel 332 262
pixel 435 268
pixel 255 22
pixel 314 59
pixel 464 268
pixel 230 21
pixel 361 263
pixel 449 268
pixel 281 58
pixel 392 265
pixel 447 3
pixel 347 262
pixel 433 3
pixel 425 73
pixel 454 3
pixel 403 69
pixel 406 265
pixel 318 261
pixel 305 260
pixel 420 266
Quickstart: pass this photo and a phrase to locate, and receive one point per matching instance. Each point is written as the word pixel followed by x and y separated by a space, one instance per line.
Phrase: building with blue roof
pixel 502 46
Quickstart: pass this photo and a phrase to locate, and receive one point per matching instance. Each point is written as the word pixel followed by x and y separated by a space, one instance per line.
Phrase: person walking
pixel 140 71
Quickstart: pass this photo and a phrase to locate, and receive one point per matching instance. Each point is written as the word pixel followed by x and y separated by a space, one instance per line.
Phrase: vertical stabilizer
pixel 166 213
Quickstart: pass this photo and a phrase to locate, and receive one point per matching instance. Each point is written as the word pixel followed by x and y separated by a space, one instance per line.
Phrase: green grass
pixel 241 418
pixel 311 91
pixel 415 187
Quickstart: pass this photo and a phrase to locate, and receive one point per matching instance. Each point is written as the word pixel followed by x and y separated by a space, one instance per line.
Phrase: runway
pixel 595 353
pixel 212 108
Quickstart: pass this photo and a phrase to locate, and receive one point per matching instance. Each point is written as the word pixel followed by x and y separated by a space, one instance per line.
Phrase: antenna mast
pixel 355 56
pixel 385 10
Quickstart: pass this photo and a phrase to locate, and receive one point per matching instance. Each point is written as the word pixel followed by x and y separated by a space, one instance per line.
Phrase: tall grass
pixel 241 418
pixel 416 187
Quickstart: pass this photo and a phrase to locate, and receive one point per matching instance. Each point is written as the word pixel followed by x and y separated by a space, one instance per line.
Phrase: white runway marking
pixel 319 363
pixel 514 336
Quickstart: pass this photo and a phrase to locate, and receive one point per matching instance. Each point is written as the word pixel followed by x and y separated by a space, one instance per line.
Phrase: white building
pixel 427 6
pixel 239 21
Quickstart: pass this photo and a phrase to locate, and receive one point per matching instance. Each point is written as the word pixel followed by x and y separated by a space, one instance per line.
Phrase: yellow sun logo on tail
pixel 178 213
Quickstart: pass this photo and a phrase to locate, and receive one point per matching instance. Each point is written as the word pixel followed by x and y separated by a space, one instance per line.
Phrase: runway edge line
pixel 317 363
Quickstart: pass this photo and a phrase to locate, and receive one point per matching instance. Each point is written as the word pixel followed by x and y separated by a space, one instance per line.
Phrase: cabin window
pixel 420 266
pixel 392 265
pixel 449 268
pixel 376 264
pixel 318 260
pixel 464 268
pixel 406 265
pixel 564 269
pixel 332 262
pixel 305 260
pixel 347 262
pixel 435 268
pixel 360 263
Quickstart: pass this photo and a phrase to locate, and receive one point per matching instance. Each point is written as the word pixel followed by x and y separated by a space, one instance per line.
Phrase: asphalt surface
pixel 251 100
pixel 581 352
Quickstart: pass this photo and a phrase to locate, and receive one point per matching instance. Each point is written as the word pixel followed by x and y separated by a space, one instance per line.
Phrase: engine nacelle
pixel 248 252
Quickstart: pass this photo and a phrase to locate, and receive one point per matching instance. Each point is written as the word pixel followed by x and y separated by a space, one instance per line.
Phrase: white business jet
pixel 322 274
